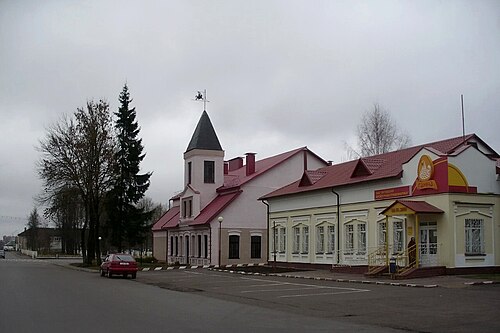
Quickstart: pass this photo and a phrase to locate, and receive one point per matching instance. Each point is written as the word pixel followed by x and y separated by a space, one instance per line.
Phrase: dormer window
pixel 209 172
pixel 187 207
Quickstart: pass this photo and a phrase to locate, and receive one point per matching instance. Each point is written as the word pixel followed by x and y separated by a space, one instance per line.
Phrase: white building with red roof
pixel 435 205
pixel 217 218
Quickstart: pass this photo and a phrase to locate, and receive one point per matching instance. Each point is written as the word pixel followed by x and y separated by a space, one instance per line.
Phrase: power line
pixel 13 218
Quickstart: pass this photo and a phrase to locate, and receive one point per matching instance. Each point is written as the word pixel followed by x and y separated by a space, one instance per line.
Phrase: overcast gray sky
pixel 279 75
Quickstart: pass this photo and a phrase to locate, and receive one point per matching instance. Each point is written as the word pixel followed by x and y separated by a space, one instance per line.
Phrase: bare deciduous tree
pixel 378 133
pixel 78 153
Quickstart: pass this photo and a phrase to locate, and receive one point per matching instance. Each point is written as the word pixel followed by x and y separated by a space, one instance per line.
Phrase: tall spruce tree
pixel 126 220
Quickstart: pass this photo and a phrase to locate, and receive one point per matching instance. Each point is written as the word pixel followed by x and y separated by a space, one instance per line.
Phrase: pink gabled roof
pixel 214 208
pixel 377 167
pixel 239 177
pixel 169 219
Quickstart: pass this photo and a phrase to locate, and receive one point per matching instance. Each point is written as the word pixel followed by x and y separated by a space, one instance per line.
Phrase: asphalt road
pixel 37 296
pixel 464 309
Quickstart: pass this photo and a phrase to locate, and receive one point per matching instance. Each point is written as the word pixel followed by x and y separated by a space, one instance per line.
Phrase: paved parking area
pixel 474 308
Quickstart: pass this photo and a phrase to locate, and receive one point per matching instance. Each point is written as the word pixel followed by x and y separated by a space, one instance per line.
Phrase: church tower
pixel 203 169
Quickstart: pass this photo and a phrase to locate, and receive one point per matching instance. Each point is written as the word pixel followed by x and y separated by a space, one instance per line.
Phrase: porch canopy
pixel 408 207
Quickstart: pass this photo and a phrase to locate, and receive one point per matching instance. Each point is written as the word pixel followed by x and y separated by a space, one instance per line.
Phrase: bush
pixel 147 260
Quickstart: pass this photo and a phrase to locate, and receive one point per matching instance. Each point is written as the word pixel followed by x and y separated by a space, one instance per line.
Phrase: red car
pixel 119 264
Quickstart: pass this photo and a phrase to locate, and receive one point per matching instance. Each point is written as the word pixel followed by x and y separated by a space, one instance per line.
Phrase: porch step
pixel 377 271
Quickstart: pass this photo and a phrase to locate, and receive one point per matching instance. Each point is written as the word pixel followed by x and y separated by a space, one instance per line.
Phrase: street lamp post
pixel 220 219
pixel 99 250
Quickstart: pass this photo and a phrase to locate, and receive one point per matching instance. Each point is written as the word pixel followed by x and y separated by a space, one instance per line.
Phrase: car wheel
pixel 102 272
pixel 134 275
pixel 124 275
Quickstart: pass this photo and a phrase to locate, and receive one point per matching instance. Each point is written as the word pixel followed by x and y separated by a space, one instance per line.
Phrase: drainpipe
pixel 210 241
pixel 166 250
pixel 268 243
pixel 338 223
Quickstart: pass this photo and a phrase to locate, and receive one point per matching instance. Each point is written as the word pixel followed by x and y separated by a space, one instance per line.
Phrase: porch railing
pixel 377 259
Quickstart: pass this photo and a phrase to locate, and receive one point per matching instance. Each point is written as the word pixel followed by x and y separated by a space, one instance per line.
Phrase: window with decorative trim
pixel 325 238
pixel 320 239
pixel 355 238
pixel 305 240
pixel 282 239
pixel 330 245
pixel 301 239
pixel 381 233
pixel 296 239
pixel 361 238
pixel 474 236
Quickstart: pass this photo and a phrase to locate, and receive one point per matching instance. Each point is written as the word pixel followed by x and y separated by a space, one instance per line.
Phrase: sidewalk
pixel 444 281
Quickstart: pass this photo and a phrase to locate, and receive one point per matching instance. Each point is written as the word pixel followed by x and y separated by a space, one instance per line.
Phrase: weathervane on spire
pixel 202 96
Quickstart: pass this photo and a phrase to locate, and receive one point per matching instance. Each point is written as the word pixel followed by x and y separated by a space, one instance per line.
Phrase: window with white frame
pixel 474 236
pixel 355 238
pixel 296 239
pixel 320 239
pixel 381 233
pixel 361 238
pixel 349 239
pixel 330 247
pixel 325 238
pixel 282 239
pixel 301 239
pixel 305 240
pixel 398 236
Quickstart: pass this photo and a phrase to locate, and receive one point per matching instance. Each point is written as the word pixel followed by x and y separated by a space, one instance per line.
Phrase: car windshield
pixel 124 257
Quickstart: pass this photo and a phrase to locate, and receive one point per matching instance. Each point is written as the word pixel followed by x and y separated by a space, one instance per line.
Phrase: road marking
pixel 265 285
pixel 195 273
pixel 334 293
pixel 277 290
pixel 305 287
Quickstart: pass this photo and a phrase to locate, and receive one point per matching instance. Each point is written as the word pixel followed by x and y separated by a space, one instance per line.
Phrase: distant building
pixel 217 218
pixel 43 240
pixel 435 205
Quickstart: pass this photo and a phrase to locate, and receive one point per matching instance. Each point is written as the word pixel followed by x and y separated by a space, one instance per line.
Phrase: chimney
pixel 226 167
pixel 250 163
pixel 235 163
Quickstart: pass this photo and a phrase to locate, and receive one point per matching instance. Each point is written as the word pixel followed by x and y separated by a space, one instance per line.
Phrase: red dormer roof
pixel 388 165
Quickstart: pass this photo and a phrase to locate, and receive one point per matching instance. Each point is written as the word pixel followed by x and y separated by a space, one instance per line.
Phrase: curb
pixel 395 284
pixel 478 283
pixel 161 268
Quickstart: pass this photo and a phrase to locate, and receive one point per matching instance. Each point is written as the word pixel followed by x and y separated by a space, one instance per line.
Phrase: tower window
pixel 209 172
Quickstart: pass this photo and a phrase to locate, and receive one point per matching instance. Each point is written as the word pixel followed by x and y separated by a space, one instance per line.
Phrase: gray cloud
pixel 279 75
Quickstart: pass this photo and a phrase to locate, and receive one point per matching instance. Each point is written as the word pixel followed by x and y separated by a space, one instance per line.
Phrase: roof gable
pixel 204 136
pixel 310 177
pixel 239 177
pixel 360 169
